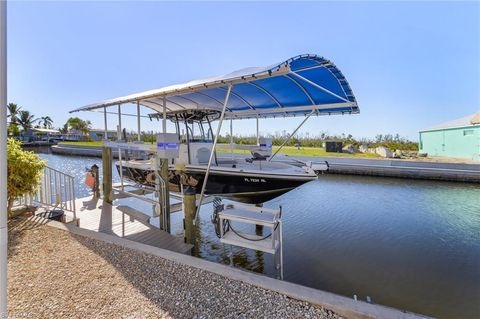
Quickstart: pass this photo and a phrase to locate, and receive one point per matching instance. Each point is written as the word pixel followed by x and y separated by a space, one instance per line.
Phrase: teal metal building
pixel 459 138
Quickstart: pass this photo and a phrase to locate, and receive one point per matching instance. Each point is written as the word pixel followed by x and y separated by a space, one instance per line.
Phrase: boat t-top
pixel 302 86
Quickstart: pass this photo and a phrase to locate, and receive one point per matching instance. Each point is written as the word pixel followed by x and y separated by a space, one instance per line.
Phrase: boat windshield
pixel 192 126
pixel 197 131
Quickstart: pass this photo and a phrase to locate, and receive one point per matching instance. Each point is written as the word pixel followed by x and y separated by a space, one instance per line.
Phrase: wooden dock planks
pixel 125 222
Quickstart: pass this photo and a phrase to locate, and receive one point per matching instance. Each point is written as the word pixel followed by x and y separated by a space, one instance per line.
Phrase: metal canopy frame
pixel 321 99
pixel 310 82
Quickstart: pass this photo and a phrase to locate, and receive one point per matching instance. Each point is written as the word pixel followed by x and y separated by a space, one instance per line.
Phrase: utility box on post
pixel 168 145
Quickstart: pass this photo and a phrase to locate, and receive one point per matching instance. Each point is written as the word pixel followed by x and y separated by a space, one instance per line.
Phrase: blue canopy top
pixel 296 86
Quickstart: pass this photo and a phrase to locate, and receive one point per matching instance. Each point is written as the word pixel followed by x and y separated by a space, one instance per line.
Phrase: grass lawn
pixel 287 150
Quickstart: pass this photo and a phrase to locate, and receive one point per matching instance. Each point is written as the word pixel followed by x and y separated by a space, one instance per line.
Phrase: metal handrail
pixel 56 190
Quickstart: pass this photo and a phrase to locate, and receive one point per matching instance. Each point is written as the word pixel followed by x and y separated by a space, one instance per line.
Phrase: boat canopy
pixel 302 85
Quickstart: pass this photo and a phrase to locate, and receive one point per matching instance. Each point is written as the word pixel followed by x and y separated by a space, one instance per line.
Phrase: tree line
pixel 25 120
pixel 20 118
pixel 392 141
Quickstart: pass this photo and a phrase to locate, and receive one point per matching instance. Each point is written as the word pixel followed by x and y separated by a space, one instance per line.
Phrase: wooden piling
pixel 190 208
pixel 107 174
pixel 161 168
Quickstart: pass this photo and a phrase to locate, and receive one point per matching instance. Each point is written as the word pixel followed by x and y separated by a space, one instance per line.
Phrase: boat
pixel 303 86
pixel 250 180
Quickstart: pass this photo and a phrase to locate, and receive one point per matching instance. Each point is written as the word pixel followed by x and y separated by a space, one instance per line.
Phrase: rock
pixel 349 148
pixel 384 152
pixel 422 154
pixel 398 154
pixel 363 148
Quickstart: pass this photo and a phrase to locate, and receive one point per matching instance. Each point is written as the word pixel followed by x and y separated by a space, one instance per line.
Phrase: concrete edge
pixel 339 304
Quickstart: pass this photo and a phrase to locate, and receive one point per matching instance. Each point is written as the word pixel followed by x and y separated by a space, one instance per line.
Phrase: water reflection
pixel 409 244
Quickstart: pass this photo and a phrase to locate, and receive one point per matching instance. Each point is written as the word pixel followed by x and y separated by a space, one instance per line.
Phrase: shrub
pixel 24 172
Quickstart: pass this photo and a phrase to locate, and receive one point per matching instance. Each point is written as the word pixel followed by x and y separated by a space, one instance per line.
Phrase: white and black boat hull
pixel 247 187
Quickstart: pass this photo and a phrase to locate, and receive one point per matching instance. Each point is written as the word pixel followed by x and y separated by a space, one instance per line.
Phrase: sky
pixel 411 65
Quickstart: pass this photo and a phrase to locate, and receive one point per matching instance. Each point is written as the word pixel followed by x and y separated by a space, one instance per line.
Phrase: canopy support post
pixel 164 122
pixel 3 161
pixel 138 121
pixel 231 137
pixel 212 152
pixel 258 134
pixel 163 174
pixel 119 138
pixel 105 137
pixel 291 135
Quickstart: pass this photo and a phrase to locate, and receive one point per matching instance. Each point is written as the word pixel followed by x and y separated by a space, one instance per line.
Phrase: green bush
pixel 24 172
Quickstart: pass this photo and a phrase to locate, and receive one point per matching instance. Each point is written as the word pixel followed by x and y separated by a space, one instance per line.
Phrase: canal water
pixel 408 244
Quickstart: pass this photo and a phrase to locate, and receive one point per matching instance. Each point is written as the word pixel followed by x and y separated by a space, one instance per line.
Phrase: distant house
pixel 98 134
pixel 459 138
pixel 41 131
pixel 39 134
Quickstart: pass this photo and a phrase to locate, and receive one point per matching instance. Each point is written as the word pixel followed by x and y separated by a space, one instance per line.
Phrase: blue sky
pixel 410 64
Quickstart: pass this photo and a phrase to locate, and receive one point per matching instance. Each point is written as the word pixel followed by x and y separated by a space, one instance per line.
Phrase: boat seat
pixel 203 154
pixel 257 157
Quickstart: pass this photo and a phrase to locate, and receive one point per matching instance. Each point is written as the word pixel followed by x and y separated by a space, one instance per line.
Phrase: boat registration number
pixel 255 180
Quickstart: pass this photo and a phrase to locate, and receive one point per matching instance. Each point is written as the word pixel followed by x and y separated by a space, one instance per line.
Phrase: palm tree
pixel 79 125
pixel 13 109
pixel 26 120
pixel 46 121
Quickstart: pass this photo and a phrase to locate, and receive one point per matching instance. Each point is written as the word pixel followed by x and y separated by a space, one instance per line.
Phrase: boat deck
pixel 125 222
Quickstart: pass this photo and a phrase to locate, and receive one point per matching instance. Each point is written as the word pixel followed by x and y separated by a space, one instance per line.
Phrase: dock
pixel 125 222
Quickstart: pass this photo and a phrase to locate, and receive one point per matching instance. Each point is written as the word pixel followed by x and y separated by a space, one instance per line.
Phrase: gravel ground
pixel 54 274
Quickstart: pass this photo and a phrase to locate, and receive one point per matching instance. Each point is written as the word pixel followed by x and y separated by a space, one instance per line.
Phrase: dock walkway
pixel 125 222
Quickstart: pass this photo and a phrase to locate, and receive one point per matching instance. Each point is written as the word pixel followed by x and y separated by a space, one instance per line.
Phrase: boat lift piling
pixel 107 158
pixel 189 208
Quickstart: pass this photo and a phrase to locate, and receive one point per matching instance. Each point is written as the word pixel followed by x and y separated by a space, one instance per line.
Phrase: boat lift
pixel 272 243
pixel 304 85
